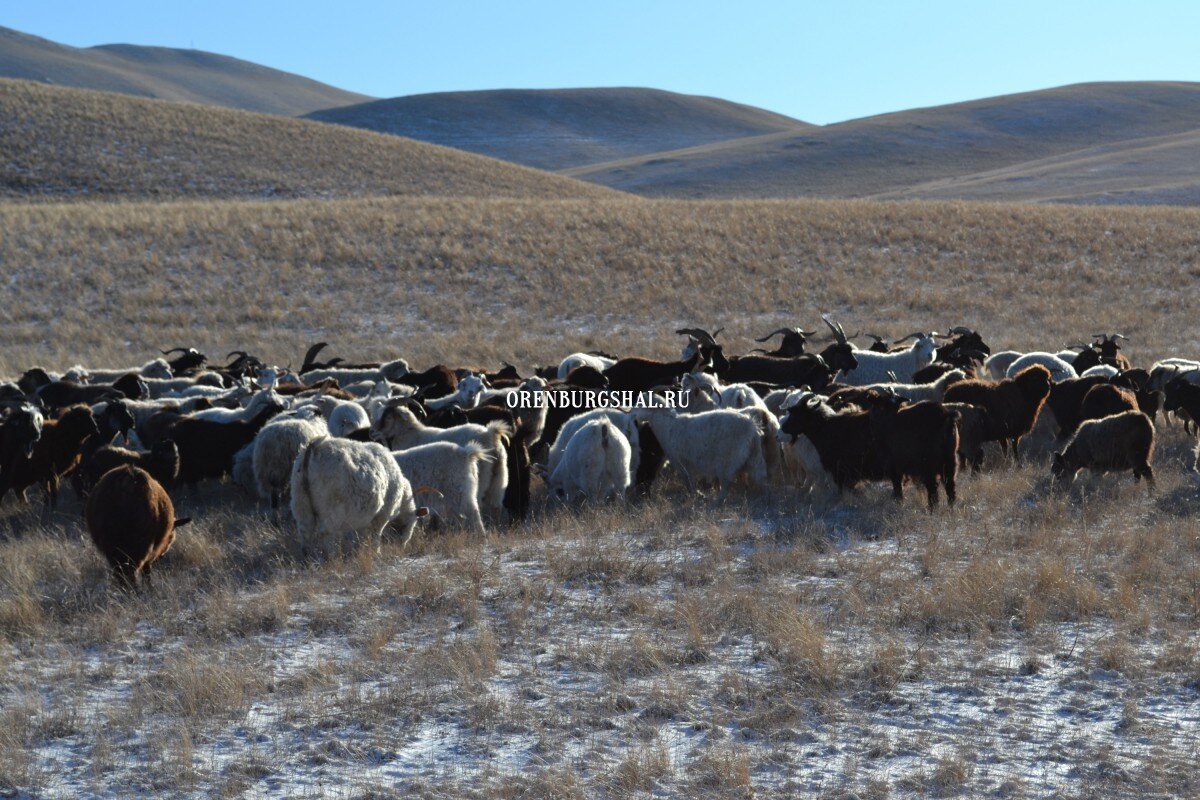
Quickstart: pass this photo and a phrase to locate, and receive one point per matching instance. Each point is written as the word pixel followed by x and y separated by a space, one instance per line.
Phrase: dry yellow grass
pixel 74 143
pixel 528 281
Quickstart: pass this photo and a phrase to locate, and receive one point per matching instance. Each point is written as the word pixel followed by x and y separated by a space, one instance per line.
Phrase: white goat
pixel 916 392
pixel 899 366
pixel 1059 369
pixel 275 449
pixel 452 471
pixel 343 417
pixel 261 400
pixel 598 363
pixel 343 490
pixel 391 371
pixel 399 429
pixel 620 419
pixel 155 368
pixel 1107 370
pixel 160 387
pixel 714 445
pixel 465 396
pixel 998 363
pixel 594 466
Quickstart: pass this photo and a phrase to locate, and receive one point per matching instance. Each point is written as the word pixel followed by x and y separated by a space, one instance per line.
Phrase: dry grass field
pixel 74 143
pixel 1029 643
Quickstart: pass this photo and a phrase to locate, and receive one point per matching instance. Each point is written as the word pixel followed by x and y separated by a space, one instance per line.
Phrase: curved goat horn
pixel 838 332
pixel 173 350
pixel 775 332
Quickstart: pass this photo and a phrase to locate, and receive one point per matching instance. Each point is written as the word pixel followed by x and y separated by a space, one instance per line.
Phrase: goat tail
pixel 305 484
pixel 502 432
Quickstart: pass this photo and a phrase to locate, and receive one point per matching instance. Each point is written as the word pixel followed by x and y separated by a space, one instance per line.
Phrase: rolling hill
pixel 893 153
pixel 166 73
pixel 59 142
pixel 556 129
pixel 1157 170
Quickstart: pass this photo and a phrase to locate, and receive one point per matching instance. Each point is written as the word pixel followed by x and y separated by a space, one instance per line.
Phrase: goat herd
pixel 360 448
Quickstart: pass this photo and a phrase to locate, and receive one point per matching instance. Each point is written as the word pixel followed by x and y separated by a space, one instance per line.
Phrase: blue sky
pixel 820 62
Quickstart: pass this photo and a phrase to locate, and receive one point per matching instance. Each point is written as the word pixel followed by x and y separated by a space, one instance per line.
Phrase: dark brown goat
pixel 1066 398
pixel 207 447
pixel 55 456
pixel 1105 400
pixel 1013 403
pixel 643 374
pixel 20 429
pixel 61 394
pixel 132 522
pixel 162 462
pixel 917 440
pixel 843 440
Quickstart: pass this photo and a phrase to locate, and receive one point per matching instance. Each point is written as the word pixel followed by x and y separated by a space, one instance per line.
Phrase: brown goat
pixel 1105 400
pixel 132 523
pixel 162 462
pixel 1122 441
pixel 1013 403
pixel 974 428
pixel 917 440
pixel 55 456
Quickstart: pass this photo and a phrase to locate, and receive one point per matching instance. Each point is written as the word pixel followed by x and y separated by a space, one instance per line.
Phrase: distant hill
pixel 58 142
pixel 1156 170
pixel 555 129
pixel 167 74
pixel 893 154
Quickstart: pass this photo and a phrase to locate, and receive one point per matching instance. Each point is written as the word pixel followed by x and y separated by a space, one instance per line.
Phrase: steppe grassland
pixel 1025 643
pixel 526 281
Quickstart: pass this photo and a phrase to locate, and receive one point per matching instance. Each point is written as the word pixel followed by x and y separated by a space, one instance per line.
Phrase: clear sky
pixel 817 61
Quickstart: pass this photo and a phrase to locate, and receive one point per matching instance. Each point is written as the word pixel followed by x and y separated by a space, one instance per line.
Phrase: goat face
pixel 22 429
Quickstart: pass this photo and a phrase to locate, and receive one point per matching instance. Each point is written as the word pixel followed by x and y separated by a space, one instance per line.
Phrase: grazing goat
pixel 344 490
pixel 132 523
pixel 918 440
pixel 55 456
pixel 207 448
pixel 61 394
pixel 156 368
pixel 714 445
pixel 594 466
pixel 916 392
pixel 1109 444
pixel 842 439
pixel 274 452
pixel 452 472
pixel 1105 400
pixel 622 420
pixel 399 429
pixel 162 462
pixel 997 365
pixel 392 372
pixel 643 374
pixel 1013 403
pixel 974 428
pixel 576 360
pixel 1183 396
pixel 1059 369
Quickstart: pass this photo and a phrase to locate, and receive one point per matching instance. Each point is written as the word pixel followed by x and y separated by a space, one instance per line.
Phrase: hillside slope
pixel 166 73
pixel 74 142
pixel 555 129
pixel 1156 170
pixel 893 152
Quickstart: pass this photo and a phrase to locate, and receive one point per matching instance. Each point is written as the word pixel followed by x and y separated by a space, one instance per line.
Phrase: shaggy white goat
pixel 594 466
pixel 451 471
pixel 714 445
